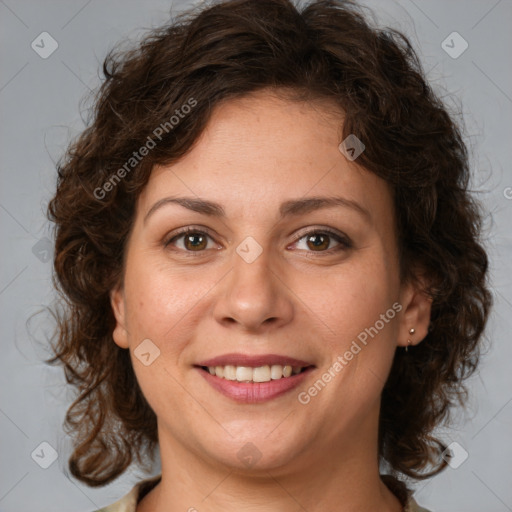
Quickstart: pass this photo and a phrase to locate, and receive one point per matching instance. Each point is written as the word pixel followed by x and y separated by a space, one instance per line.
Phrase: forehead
pixel 264 149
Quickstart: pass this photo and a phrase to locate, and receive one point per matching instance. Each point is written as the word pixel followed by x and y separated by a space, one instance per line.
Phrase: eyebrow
pixel 293 207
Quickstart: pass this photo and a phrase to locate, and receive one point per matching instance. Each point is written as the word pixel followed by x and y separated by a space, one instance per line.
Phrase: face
pixel 278 277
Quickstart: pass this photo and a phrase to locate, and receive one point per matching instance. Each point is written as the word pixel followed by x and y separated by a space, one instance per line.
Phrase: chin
pixel 257 453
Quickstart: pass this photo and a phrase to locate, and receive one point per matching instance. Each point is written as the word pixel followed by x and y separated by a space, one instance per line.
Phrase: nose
pixel 254 296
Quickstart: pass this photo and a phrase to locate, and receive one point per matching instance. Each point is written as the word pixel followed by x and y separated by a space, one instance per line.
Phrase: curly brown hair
pixel 326 50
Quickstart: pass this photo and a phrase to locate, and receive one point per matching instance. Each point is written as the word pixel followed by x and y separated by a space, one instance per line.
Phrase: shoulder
pixel 412 506
pixel 128 503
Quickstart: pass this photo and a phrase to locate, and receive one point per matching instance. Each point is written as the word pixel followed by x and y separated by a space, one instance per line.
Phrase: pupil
pixel 320 243
pixel 190 240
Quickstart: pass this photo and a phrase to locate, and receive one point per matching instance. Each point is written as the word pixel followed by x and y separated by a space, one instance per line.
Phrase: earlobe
pixel 415 318
pixel 119 334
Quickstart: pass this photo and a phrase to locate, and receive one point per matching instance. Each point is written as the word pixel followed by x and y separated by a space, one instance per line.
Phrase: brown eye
pixel 320 241
pixel 189 240
pixel 195 242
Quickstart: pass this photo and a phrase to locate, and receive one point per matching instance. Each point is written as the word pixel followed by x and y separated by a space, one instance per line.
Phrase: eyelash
pixel 344 242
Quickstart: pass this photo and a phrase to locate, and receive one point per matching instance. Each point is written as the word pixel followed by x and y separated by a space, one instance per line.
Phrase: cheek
pixel 351 299
pixel 358 309
pixel 162 305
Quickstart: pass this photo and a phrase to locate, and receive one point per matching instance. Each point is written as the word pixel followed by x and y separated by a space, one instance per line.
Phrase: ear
pixel 120 333
pixel 417 307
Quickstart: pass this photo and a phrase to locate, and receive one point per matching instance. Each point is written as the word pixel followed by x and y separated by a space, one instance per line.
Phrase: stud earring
pixel 411 331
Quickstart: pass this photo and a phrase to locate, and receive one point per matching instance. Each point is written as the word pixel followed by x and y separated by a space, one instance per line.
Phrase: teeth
pixel 260 374
pixel 276 372
pixel 243 373
pixel 230 372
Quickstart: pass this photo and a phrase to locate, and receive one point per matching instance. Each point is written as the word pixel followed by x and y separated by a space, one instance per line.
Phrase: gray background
pixel 39 105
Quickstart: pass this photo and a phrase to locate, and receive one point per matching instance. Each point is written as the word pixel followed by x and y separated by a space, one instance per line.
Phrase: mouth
pixel 254 368
pixel 253 379
pixel 257 374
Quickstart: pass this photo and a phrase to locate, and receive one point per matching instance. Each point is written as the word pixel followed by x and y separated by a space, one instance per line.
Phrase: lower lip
pixel 257 392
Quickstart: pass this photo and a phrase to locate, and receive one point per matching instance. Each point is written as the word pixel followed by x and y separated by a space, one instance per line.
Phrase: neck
pixel 339 475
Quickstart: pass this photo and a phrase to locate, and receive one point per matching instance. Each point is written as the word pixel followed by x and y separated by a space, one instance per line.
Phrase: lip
pixel 253 361
pixel 257 392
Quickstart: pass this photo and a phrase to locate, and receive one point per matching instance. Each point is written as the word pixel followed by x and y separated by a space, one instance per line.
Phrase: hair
pixel 325 51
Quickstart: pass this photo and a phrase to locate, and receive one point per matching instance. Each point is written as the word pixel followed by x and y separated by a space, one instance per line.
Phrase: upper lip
pixel 253 360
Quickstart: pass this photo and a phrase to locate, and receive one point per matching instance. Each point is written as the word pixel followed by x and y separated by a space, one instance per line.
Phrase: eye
pixel 321 241
pixel 193 240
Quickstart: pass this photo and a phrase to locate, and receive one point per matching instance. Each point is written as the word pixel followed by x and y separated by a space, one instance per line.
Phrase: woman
pixel 271 263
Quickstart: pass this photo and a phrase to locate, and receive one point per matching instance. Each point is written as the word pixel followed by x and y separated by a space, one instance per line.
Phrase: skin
pixel 256 153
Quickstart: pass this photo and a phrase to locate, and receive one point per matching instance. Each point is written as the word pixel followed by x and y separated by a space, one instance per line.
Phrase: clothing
pixel 128 503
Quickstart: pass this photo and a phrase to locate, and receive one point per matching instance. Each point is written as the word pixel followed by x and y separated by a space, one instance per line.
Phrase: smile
pixel 260 374
pixel 245 386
